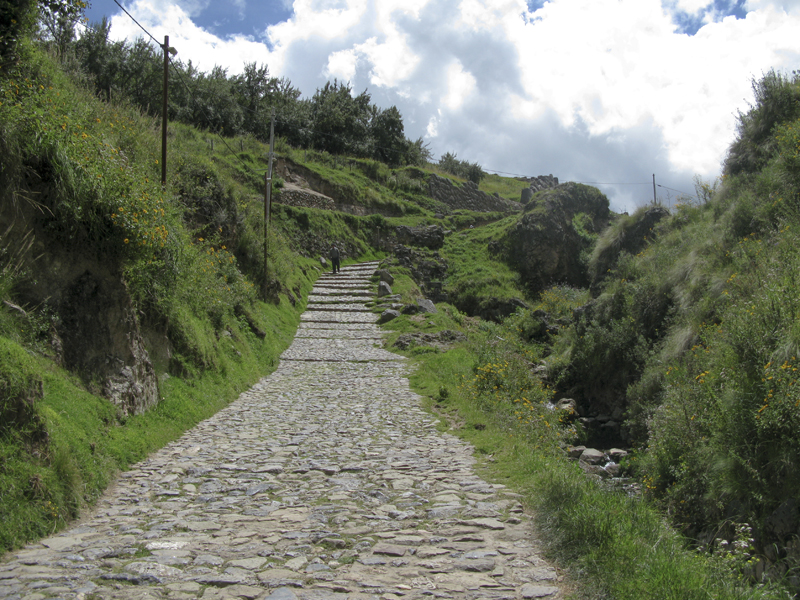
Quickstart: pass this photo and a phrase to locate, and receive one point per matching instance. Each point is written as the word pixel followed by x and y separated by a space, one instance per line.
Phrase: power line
pixel 312 131
pixel 137 22
pixel 674 190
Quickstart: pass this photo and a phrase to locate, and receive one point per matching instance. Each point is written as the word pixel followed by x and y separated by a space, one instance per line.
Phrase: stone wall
pixel 295 196
pixel 468 196
pixel 537 184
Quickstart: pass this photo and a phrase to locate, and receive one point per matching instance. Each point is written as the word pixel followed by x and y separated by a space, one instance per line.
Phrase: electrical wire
pixel 321 133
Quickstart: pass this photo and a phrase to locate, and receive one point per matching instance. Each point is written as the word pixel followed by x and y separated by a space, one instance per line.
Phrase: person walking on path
pixel 334 256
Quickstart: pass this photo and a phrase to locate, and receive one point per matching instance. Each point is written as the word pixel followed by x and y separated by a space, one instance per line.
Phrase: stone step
pixel 325 480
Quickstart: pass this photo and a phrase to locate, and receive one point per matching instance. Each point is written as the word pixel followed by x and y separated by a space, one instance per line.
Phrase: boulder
pixel 323 262
pixel 384 275
pixel 592 456
pixel 388 315
pixel 567 404
pixel 384 289
pixel 426 306
pixel 616 454
pixel 575 451
pixel 410 309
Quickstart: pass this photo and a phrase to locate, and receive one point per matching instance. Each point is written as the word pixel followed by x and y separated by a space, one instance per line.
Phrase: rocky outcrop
pixel 549 242
pixel 431 236
pixel 96 331
pixel 536 184
pixel 428 269
pixel 467 196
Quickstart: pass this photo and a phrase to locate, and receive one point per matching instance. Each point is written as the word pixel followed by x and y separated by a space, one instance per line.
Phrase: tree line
pixel 334 119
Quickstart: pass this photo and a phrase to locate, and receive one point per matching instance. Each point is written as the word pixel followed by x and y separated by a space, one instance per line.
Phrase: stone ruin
pixel 537 184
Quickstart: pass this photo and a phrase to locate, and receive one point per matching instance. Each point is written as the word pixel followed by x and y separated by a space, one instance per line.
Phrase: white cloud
pixel 460 85
pixel 203 48
pixel 342 65
pixel 517 89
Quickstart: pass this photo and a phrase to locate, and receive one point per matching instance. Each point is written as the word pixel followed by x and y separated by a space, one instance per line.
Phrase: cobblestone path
pixel 326 480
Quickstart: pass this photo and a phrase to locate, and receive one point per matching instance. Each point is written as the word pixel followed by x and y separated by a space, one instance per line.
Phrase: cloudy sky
pixel 596 91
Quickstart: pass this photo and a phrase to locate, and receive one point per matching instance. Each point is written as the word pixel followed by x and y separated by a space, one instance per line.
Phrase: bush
pixel 776 101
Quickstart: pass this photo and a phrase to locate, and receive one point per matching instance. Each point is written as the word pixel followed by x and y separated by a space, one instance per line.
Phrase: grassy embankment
pixel 610 545
pixel 190 254
pixel 696 332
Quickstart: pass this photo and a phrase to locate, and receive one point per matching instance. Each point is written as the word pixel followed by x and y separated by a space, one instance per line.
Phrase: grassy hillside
pixel 688 333
pixel 81 190
pixel 686 329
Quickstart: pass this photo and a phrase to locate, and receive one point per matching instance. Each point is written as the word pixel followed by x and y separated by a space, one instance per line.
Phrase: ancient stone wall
pixel 294 196
pixel 537 184
pixel 468 196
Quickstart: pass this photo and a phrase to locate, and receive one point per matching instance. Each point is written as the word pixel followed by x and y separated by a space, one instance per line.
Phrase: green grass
pixel 611 545
pixel 473 274
pixel 77 442
pixel 507 187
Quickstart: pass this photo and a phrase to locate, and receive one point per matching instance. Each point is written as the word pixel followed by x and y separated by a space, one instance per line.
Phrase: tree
pixel 461 168
pixel 58 21
pixel 389 143
pixel 18 19
pixel 339 120
pixel 417 153
pixel 101 60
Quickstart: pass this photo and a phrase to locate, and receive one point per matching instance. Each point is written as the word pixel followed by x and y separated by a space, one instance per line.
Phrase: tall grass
pixel 611 545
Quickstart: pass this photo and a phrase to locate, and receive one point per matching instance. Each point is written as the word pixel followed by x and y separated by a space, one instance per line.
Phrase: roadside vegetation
pixel 689 327
pixel 687 323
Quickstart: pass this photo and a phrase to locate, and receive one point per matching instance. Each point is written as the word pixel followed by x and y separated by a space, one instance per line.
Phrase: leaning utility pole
pixel 167 52
pixel 268 201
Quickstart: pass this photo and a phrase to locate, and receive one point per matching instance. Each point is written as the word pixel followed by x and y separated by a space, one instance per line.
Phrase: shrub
pixel 776 100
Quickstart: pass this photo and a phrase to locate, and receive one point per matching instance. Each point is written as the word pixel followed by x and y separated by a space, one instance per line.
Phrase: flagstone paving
pixel 326 480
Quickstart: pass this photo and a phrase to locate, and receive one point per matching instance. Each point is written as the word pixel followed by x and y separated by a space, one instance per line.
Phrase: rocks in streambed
pixel 597 462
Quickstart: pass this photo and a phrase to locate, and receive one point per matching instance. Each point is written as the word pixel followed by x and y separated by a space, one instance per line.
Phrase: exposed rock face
pixel 96 332
pixel 468 196
pixel 431 236
pixel 102 340
pixel 548 243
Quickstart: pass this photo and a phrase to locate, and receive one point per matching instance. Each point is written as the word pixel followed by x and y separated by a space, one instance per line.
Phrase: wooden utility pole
pixel 167 52
pixel 654 189
pixel 268 201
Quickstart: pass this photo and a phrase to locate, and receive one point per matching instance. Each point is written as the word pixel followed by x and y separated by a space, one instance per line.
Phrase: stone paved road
pixel 326 480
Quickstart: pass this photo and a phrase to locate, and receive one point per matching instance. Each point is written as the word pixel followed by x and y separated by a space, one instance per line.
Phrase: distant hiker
pixel 334 256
